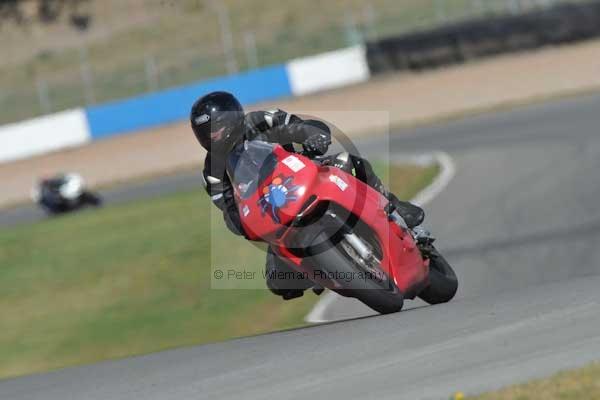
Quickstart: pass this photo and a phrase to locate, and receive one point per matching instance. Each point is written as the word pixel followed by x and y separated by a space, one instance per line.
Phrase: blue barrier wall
pixel 174 104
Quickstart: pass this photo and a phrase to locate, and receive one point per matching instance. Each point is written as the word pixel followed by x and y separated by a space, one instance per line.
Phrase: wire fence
pixel 90 73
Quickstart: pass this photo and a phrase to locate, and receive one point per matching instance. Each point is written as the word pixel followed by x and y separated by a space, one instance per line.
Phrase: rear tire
pixel 381 295
pixel 92 199
pixel 443 283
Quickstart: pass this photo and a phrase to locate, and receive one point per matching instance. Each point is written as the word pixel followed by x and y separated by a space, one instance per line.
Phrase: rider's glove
pixel 317 144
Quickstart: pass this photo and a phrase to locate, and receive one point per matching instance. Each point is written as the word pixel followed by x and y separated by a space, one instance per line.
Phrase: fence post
pixel 43 96
pixel 545 3
pixel 226 36
pixel 440 10
pixel 86 76
pixel 353 35
pixel 478 7
pixel 251 50
pixel 151 73
pixel 370 21
pixel 514 6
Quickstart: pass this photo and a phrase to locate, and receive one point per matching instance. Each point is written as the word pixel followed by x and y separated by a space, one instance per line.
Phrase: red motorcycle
pixel 335 229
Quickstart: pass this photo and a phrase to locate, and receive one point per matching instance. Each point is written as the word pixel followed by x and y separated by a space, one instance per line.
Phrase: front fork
pixel 421 236
pixel 351 238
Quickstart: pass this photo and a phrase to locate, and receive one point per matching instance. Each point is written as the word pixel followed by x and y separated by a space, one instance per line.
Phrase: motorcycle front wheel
pixel 334 263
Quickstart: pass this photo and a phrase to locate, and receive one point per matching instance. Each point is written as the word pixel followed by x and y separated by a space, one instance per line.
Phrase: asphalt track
pixel 521 224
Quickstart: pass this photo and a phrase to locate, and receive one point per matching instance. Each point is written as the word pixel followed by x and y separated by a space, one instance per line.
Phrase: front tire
pixel 443 283
pixel 381 295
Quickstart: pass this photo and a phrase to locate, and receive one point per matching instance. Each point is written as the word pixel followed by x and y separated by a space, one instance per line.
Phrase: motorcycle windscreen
pixel 248 166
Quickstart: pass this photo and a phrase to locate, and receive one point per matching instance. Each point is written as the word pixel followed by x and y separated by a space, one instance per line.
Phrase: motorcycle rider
pixel 220 124
pixel 63 192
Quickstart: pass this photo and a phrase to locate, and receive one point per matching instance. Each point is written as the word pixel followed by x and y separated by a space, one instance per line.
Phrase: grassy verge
pixel 578 384
pixel 133 279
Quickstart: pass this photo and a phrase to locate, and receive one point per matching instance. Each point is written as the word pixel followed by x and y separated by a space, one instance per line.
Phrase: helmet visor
pixel 225 130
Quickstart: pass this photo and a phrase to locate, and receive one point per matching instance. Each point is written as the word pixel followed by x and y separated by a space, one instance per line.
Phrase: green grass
pixel 580 384
pixel 184 38
pixel 132 279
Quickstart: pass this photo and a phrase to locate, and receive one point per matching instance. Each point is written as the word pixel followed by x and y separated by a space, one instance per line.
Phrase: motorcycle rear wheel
pixel 443 283
pixel 91 199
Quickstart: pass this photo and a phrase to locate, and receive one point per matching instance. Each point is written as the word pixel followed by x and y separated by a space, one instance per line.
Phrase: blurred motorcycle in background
pixel 64 193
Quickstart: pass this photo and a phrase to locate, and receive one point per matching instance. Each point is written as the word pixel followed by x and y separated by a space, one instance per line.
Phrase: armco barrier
pixel 329 70
pixel 174 104
pixel 480 38
pixel 44 134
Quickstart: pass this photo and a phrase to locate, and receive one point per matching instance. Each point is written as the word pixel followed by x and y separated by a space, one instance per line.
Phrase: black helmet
pixel 217 120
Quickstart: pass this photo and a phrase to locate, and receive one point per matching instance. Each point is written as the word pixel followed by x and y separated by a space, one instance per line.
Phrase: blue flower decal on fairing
pixel 277 195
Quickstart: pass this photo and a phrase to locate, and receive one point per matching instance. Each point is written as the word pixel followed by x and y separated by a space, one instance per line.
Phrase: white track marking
pixel 447 172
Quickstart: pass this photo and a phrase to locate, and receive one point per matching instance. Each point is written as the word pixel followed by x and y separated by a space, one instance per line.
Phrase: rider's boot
pixel 413 215
pixel 283 280
pixel 318 290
